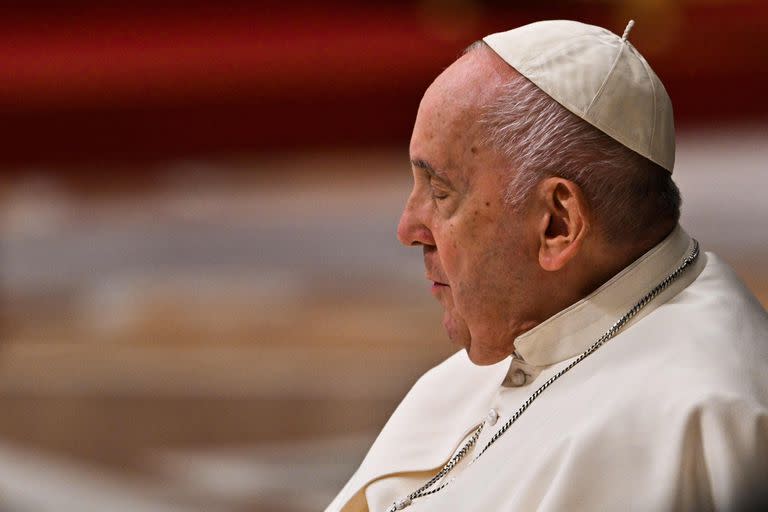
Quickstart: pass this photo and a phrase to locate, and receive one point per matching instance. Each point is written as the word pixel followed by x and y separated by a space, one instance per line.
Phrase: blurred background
pixel 203 306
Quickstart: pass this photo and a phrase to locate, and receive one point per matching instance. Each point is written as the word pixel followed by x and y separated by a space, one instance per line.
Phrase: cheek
pixel 468 240
pixel 452 251
pixel 475 248
pixel 483 266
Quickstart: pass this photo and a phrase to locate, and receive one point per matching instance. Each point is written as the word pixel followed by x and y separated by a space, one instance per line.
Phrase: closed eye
pixel 437 192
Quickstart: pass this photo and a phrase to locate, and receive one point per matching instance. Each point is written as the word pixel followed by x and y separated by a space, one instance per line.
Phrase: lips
pixel 432 271
pixel 436 277
pixel 435 281
pixel 437 288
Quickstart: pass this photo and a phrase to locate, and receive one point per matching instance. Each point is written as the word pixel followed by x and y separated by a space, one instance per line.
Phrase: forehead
pixel 470 81
pixel 448 120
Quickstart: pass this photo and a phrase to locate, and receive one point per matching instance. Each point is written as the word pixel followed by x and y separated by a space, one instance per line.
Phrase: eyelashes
pixel 437 194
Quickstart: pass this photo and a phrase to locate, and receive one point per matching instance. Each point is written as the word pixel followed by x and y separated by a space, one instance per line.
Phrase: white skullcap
pixel 598 76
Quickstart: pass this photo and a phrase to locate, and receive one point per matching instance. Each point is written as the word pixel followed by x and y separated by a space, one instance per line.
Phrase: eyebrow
pixel 429 169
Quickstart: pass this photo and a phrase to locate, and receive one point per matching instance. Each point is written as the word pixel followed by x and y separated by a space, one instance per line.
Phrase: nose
pixel 412 229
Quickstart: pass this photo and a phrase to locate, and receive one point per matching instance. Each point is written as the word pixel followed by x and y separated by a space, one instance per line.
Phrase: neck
pixel 594 266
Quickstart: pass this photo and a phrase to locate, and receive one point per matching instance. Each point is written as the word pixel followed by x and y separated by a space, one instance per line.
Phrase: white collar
pixel 574 329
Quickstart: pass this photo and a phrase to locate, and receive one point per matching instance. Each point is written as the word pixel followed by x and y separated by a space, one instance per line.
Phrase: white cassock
pixel 670 414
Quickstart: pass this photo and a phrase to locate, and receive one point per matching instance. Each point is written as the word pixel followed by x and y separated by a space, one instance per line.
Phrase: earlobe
pixel 563 224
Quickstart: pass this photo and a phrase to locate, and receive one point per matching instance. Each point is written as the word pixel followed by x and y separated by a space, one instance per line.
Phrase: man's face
pixel 476 250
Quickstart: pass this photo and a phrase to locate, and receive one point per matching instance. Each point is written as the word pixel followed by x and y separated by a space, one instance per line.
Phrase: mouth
pixel 437 286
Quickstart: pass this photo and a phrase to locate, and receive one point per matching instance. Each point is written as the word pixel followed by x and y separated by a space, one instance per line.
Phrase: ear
pixel 563 222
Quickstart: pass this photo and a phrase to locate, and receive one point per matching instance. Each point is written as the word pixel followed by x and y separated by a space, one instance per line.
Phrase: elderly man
pixel 609 363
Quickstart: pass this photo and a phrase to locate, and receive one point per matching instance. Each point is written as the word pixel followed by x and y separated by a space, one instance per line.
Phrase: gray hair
pixel 634 200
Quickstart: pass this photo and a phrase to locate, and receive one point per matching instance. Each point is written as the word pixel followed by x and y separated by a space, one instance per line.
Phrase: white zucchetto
pixel 598 76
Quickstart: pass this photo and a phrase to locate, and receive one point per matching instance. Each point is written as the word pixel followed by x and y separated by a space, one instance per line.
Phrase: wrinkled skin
pixel 471 239
pixel 496 272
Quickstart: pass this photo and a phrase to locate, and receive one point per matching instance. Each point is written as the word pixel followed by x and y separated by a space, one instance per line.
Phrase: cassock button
pixel 492 417
pixel 518 377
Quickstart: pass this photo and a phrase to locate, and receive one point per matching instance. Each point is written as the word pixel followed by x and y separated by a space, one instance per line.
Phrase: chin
pixel 485 356
pixel 459 335
pixel 457 331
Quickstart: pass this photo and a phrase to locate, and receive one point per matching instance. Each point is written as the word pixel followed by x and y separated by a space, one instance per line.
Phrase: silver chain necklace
pixel 431 488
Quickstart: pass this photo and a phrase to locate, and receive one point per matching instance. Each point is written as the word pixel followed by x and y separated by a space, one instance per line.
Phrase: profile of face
pixel 479 254
pixel 498 271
